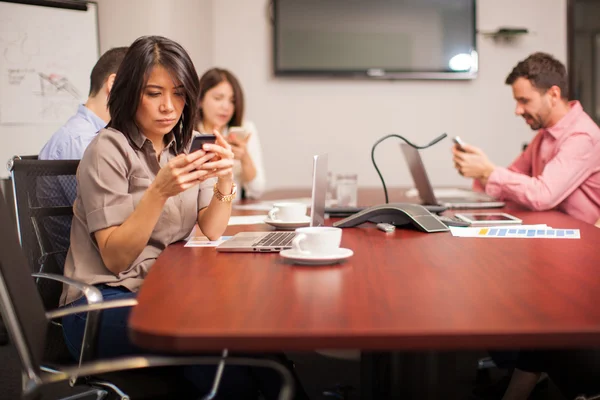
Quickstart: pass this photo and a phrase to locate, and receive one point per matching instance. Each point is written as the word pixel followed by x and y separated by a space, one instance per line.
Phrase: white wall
pixel 297 118
pixel 189 22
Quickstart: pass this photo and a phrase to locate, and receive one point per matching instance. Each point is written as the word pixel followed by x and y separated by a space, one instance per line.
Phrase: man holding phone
pixel 560 169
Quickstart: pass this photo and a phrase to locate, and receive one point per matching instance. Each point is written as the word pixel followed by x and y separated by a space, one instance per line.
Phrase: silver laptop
pixel 277 241
pixel 471 198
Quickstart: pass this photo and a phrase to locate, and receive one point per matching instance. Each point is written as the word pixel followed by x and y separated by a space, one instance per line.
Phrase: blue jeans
pixel 113 341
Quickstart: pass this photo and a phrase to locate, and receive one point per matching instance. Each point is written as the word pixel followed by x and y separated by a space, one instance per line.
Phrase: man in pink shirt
pixel 560 169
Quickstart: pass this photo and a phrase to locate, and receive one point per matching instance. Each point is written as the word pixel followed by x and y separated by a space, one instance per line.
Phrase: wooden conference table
pixel 406 290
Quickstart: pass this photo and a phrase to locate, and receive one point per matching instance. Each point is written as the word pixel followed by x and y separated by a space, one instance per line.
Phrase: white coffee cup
pixel 317 240
pixel 288 212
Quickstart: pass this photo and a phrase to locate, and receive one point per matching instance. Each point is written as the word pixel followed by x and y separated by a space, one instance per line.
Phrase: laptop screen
pixel 319 190
pixel 419 174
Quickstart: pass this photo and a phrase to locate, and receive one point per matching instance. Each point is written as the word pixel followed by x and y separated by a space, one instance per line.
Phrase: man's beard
pixel 536 122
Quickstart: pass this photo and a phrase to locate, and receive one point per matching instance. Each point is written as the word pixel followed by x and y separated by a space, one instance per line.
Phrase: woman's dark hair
pixel 145 53
pixel 212 78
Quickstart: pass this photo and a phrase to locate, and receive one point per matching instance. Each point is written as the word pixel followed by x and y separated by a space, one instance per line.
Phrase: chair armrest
pixel 128 363
pixel 106 305
pixel 93 296
pixel 91 293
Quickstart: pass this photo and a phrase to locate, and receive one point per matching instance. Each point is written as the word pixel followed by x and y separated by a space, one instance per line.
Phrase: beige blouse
pixel 112 176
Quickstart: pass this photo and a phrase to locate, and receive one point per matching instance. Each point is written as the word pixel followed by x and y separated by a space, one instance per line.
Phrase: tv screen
pixel 388 39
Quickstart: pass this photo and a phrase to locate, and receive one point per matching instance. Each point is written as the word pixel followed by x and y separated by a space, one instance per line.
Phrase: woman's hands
pixel 239 144
pixel 221 164
pixel 180 173
pixel 187 170
pixel 213 219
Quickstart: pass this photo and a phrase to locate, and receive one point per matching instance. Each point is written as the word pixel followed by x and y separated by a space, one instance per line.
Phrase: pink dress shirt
pixel 560 169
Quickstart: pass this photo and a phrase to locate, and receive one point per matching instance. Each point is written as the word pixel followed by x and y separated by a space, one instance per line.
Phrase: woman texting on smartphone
pixel 138 190
pixel 222 109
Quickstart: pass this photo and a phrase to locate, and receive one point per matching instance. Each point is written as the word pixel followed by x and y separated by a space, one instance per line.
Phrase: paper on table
pixel 268 204
pixel 517 231
pixel 247 219
pixel 202 241
pixel 473 231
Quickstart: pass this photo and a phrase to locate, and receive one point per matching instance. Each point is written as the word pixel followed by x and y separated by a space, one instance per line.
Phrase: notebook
pixel 277 241
pixel 470 200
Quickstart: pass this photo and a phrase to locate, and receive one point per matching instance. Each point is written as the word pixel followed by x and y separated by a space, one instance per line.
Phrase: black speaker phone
pixel 343 212
pixel 397 214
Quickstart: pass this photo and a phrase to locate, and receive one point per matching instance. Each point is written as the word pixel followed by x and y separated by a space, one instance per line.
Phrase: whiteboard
pixel 46 57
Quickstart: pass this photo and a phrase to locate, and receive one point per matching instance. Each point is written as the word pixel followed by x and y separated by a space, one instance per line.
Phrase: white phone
pixel 459 143
pixel 239 131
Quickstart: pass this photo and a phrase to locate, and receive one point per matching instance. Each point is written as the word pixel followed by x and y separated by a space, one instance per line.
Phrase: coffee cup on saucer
pixel 288 212
pixel 317 240
pixel 317 245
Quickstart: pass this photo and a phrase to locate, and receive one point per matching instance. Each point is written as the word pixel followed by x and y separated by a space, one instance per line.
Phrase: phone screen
pixel 199 140
pixel 238 132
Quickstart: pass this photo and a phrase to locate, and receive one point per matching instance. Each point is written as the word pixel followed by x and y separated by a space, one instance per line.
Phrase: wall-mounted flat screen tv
pixel 386 39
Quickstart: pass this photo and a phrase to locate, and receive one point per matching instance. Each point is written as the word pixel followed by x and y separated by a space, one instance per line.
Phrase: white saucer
pixel 288 225
pixel 320 259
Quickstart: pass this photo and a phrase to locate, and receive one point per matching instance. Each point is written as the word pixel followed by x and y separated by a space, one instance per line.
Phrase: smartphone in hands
pixel 459 143
pixel 239 132
pixel 199 140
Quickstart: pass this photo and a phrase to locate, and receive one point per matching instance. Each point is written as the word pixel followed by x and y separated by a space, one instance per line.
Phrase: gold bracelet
pixel 227 198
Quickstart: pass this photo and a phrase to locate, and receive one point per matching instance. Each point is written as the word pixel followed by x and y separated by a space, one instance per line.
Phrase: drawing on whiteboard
pixel 38 96
pixel 46 55
pixel 55 84
pixel 18 47
pixel 16 76
pixel 39 86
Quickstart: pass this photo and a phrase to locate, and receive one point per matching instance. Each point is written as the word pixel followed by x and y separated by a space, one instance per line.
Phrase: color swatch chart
pixel 525 232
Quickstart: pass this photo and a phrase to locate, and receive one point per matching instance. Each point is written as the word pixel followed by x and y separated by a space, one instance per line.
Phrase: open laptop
pixel 470 200
pixel 277 241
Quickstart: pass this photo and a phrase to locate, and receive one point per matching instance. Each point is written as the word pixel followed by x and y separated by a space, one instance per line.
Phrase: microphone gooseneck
pixel 434 141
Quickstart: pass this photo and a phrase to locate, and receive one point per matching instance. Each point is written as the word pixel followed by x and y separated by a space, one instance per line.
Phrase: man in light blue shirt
pixel 69 143
pixel 71 140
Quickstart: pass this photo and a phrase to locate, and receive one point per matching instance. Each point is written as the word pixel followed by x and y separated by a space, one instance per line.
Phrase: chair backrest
pixel 44 192
pixel 21 304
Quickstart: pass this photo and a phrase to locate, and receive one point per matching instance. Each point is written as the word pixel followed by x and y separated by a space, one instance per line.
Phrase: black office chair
pixel 27 323
pixel 44 192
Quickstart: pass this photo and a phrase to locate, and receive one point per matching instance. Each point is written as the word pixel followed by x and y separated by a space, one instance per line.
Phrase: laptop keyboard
pixel 276 239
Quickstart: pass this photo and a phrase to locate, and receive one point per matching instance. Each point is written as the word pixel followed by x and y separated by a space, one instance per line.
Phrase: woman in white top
pixel 222 108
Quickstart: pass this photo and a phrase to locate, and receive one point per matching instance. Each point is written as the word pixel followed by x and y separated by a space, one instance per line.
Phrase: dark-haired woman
pixel 138 190
pixel 221 107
